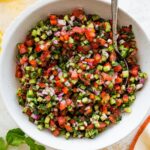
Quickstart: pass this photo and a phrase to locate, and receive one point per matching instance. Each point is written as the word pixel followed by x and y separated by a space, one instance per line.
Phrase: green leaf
pixel 29 141
pixel 15 137
pixel 3 145
pixel 33 146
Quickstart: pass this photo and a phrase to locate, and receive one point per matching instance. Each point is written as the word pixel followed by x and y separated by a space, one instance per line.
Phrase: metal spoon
pixel 114 9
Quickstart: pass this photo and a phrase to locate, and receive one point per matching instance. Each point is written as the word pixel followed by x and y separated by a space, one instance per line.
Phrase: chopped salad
pixel 71 79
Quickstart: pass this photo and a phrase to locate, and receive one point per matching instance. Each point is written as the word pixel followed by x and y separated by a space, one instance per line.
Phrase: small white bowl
pixel 8 83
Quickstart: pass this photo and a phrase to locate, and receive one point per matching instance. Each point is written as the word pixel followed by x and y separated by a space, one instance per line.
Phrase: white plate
pixel 8 84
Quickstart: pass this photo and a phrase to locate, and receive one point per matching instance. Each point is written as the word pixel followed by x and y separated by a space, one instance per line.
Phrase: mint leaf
pixel 40 147
pixel 15 137
pixel 29 141
pixel 33 146
pixel 3 145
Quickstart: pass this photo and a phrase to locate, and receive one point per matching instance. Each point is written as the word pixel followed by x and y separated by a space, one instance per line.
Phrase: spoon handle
pixel 114 9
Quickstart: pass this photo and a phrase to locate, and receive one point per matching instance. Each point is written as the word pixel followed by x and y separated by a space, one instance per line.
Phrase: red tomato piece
pixel 56 132
pixel 102 125
pixel 118 68
pixel 33 63
pixel 74 75
pixel 77 12
pixel 29 42
pixel 78 30
pixel 118 80
pixel 61 120
pixel 22 48
pixel 134 71
pixel 62 105
pixel 113 56
pixel 97 58
pixel 23 60
pixel 65 90
pixel 125 98
pixel 106 76
pixel 68 128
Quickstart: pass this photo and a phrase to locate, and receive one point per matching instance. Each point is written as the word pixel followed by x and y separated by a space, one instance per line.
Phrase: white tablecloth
pixel 139 9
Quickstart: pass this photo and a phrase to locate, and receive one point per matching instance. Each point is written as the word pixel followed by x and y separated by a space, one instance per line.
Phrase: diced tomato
pixel 134 71
pixel 82 66
pixel 52 123
pixel 108 64
pixel 113 56
pixel 42 85
pixel 33 63
pixel 78 30
pixel 74 90
pixel 44 55
pixel 72 121
pixel 104 109
pixel 23 60
pixel 97 58
pixel 61 120
pixel 52 17
pixel 68 128
pixel 125 98
pixel 37 48
pixel 95 45
pixel 95 85
pixel 119 102
pixel 56 132
pixel 89 60
pixel 117 87
pixel 22 48
pixel 29 42
pixel 110 34
pixel 45 46
pixel 53 22
pixel 117 68
pixel 28 112
pixel 65 90
pixel 105 97
pixel 92 96
pixel 90 126
pixel 66 37
pixel 62 105
pixel 106 76
pixel 102 41
pixel 58 83
pixel 77 13
pixel 68 101
pixel 55 73
pixel 19 72
pixel 102 125
pixel 118 80
pixel 74 75
pixel 88 111
pixel 112 119
pixel 48 98
pixel 90 34
pixel 124 36
pixel 86 48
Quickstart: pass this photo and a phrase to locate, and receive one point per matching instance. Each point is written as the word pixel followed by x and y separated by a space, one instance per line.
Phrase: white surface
pixel 137 7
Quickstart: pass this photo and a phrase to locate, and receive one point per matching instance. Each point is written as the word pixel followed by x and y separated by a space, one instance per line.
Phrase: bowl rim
pixel 37 5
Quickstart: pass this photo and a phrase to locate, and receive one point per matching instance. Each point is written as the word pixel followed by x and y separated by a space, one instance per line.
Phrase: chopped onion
pixel 142 80
pixel 34 116
pixel 139 86
pixel 57 33
pixel 61 22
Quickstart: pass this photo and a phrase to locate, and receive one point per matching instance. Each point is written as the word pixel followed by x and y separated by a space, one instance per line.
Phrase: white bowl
pixel 8 82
